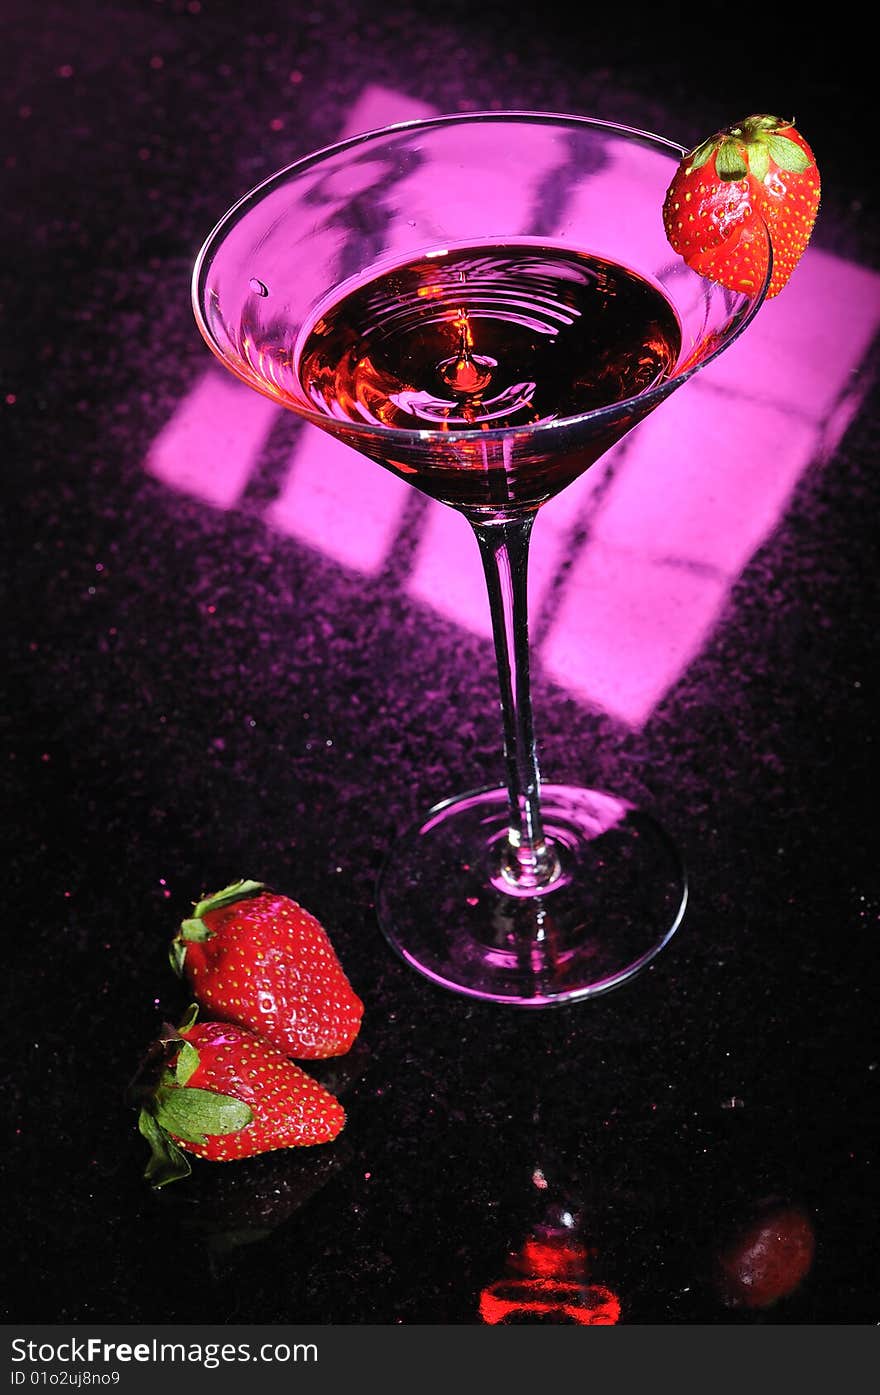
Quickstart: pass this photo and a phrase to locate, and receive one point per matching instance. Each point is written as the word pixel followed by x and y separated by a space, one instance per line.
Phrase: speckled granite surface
pixel 194 695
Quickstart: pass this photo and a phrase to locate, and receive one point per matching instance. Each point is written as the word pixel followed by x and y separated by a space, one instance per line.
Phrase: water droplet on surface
pixel 258 287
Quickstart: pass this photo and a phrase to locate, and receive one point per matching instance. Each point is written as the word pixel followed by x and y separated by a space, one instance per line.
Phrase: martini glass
pixel 485 304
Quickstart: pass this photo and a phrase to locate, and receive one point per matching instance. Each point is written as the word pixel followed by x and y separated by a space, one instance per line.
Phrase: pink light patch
pixel 805 343
pixel 456 221
pixel 379 106
pixel 607 199
pixel 211 444
pixel 626 627
pixel 705 480
pixel 339 502
pixel 448 573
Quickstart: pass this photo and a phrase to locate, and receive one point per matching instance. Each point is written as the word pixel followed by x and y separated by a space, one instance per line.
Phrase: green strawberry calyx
pixel 172 1106
pixel 194 930
pixel 748 148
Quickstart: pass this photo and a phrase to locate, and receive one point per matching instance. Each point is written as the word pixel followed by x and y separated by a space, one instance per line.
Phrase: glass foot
pixel 617 896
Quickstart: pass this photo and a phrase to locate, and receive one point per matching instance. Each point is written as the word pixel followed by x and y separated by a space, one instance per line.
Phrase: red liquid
pixel 485 337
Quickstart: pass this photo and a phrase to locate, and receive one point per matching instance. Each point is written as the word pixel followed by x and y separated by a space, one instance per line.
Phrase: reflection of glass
pixel 484 305
pixel 548 1279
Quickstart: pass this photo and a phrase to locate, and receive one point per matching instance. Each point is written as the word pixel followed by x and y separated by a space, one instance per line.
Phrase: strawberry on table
pixel 224 1094
pixel 759 169
pixel 259 959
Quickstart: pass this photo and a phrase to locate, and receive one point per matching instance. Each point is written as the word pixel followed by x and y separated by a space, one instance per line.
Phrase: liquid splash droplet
pixel 466 373
pixel 258 287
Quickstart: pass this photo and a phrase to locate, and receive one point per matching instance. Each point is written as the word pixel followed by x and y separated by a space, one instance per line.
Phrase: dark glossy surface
pixel 194 696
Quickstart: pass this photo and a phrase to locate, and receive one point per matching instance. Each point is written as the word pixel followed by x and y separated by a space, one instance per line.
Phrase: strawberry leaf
pixel 190 1114
pixel 189 1018
pixel 759 160
pixel 701 154
pixel 788 154
pixel 187 1062
pixel 730 162
pixel 194 929
pixel 167 1163
pixel 763 123
pixel 238 891
pixel 177 955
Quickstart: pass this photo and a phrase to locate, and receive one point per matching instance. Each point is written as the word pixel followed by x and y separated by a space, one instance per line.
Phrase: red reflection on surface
pixel 550 1259
pixel 549 1284
pixel 767 1258
pixel 549 1300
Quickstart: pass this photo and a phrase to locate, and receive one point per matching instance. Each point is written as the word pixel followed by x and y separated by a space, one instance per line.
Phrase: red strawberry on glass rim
pixel 224 1094
pixel 759 169
pixel 261 960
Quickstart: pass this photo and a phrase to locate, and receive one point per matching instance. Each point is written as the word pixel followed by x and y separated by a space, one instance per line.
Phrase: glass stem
pixel 527 862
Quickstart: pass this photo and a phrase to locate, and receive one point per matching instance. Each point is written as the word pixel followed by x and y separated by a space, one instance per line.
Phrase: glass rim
pixel 405 434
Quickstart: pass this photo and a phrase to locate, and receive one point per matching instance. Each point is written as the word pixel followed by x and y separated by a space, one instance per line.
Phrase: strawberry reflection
pixel 548 1277
pixel 233 1209
pixel 766 1255
pixel 243 1203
